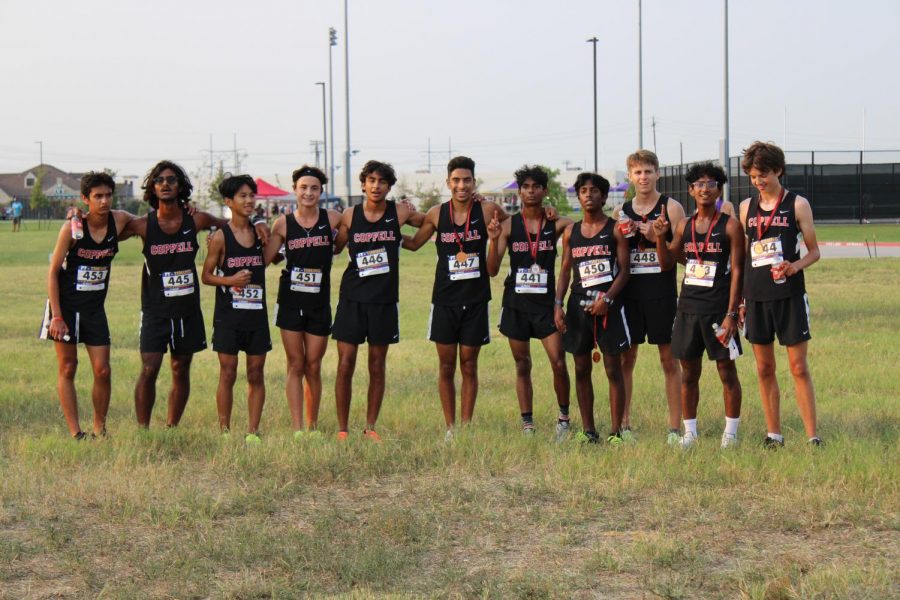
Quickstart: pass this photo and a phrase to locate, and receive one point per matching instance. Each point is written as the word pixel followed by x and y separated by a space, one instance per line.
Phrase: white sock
pixel 690 426
pixel 776 436
pixel 731 425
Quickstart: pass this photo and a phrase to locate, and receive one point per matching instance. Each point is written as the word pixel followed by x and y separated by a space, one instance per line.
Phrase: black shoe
pixel 80 436
pixel 772 444
pixel 587 437
pixel 816 441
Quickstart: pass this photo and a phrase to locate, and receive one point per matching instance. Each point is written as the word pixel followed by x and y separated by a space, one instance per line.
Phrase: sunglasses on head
pixel 170 179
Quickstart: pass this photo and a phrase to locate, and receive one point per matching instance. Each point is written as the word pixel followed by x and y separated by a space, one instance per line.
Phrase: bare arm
pixel 343 228
pixel 562 282
pixel 623 261
pixel 426 230
pixel 276 239
pixel 498 235
pixel 738 249
pixel 64 242
pixel 669 253
pixel 123 221
pixel 803 212
pixel 214 259
pixel 407 215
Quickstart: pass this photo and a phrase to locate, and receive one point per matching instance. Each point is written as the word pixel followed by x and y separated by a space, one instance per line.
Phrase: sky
pixel 121 84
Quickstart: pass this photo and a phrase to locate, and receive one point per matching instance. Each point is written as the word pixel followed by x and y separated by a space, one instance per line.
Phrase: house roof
pixel 14 183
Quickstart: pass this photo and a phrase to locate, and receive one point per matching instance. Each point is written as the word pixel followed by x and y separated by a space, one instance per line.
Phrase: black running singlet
pixel 169 282
pixel 594 259
pixel 706 286
pixel 306 278
pixel 461 282
pixel 84 276
pixel 243 308
pixel 780 241
pixel 530 285
pixel 372 274
pixel 647 280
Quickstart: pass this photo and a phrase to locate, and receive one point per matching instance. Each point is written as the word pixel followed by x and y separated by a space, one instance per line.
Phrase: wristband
pixel 257 220
pixel 733 315
pixel 607 299
pixel 57 319
pixel 558 301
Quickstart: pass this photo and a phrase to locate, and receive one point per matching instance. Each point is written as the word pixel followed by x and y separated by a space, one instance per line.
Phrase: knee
pixel 181 371
pixel 313 368
pixel 255 376
pixel 469 367
pixel 727 374
pixel 800 368
pixel 228 374
pixel 296 367
pixel 613 371
pixel 690 375
pixel 150 369
pixel 68 368
pixel 102 372
pixel 346 365
pixel 559 367
pixel 447 370
pixel 523 366
pixel 583 371
pixel 765 369
pixel 669 366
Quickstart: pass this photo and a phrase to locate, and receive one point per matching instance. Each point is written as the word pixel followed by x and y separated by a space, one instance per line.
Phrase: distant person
pixel 236 267
pixel 16 207
pixel 711 244
pixel 776 303
pixel 303 312
pixel 528 293
pixel 651 295
pixel 77 285
pixel 595 257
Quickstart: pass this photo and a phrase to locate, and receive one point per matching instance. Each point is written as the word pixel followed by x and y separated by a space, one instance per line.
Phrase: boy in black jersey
pixel 458 324
pixel 774 286
pixel 310 237
pixel 170 296
pixel 711 244
pixel 595 255
pixel 236 266
pixel 77 285
pixel 529 289
pixel 651 295
pixel 368 308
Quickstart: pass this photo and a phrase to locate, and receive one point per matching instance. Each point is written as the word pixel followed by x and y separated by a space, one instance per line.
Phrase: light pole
pixel 41 146
pixel 347 95
pixel 332 42
pixel 726 161
pixel 324 127
pixel 594 41
pixel 641 81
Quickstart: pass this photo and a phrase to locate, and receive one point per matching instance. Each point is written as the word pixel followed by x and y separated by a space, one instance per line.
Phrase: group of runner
pixel 742 271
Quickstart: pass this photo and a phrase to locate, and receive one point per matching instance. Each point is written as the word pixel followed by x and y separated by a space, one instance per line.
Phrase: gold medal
pixel 759 248
pixel 596 356
pixel 535 268
pixel 461 257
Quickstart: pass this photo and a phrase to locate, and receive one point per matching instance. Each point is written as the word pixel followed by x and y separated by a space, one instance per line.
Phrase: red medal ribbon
pixel 533 246
pixel 712 224
pixel 465 235
pixel 760 230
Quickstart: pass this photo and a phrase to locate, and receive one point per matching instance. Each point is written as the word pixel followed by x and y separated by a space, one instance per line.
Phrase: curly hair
pixel 599 181
pixel 533 172
pixel 184 184
pixel 93 179
pixel 706 169
pixel 385 170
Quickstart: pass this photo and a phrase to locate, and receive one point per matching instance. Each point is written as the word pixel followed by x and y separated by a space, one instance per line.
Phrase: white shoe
pixel 448 437
pixel 729 440
pixel 688 440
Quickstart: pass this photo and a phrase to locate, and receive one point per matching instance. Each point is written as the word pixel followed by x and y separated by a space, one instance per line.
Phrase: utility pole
pixel 211 167
pixel 41 151
pixel 315 146
pixel 324 129
pixel 347 95
pixel 332 42
pixel 641 81
pixel 725 151
pixel 653 125
pixel 237 163
pixel 594 41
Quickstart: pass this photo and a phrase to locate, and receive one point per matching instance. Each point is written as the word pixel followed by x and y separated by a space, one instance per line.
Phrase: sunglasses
pixel 170 179
pixel 709 185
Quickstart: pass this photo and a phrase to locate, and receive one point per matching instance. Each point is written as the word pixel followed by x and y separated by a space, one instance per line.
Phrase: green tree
pixel 428 196
pixel 213 190
pixel 39 202
pixel 556 193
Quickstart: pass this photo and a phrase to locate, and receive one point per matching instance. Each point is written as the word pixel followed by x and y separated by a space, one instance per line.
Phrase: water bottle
pixel 733 351
pixel 77 228
pixel 625 224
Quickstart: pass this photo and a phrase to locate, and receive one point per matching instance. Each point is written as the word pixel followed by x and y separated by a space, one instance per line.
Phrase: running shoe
pixel 772 443
pixel 628 436
pixel 80 436
pixel 673 438
pixel 299 435
pixel 563 429
pixel 370 434
pixel 528 429
pixel 313 434
pixel 342 436
pixel 729 440
pixel 448 436
pixel 688 440
pixel 252 439
pixel 587 437
pixel 615 439
pixel 816 441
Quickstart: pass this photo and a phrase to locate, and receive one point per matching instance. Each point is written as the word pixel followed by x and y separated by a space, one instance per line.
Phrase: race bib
pixel 373 262
pixel 249 297
pixel 594 272
pixel 308 281
pixel 529 282
pixel 177 283
pixel 700 273
pixel 766 252
pixel 465 269
pixel 644 261
pixel 90 279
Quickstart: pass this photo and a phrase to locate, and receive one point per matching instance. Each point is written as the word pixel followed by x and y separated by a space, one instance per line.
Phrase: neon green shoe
pixel 615 440
pixel 253 439
pixel 587 437
pixel 673 438
pixel 628 436
pixel 299 435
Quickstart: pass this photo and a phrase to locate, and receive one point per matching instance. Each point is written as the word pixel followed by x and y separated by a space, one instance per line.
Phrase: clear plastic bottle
pixel 625 224
pixel 77 227
pixel 733 351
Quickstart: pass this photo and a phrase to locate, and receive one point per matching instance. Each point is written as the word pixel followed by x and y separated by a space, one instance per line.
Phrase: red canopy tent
pixel 267 192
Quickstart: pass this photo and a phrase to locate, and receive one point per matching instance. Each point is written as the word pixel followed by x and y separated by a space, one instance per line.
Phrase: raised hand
pixel 660 226
pixel 493 227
